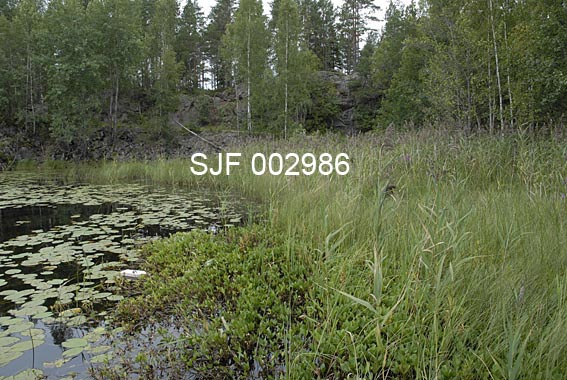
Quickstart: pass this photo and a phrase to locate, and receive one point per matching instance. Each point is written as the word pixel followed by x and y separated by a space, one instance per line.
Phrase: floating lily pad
pixel 102 295
pixel 77 321
pixel 33 332
pixel 26 345
pixel 75 342
pixel 8 356
pixel 19 327
pixel 115 297
pixel 56 364
pixel 73 352
pixel 43 315
pixel 8 340
pixel 29 311
pixel 28 374
pixel 34 303
pixel 8 292
pixel 103 358
pixel 99 349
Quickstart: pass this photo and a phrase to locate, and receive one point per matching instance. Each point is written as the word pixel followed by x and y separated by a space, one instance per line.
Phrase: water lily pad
pixel 75 342
pixel 56 364
pixel 28 374
pixel 73 352
pixel 26 345
pixel 77 321
pixel 70 312
pixel 102 295
pixel 41 285
pixel 19 327
pixel 33 332
pixel 56 281
pixel 115 297
pixel 8 356
pixel 101 358
pixel 99 349
pixel 8 340
pixel 8 320
pixel 29 311
pixel 34 302
pixel 43 315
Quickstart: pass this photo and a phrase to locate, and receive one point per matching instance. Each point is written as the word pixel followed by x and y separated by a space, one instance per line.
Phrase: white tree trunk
pixel 248 111
pixel 508 77
pixel 497 66
pixel 286 74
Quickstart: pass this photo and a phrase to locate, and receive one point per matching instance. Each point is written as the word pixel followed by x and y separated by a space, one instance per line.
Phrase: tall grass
pixel 460 272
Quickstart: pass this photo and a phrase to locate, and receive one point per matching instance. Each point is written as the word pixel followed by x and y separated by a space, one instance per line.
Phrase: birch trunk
pixel 286 75
pixel 248 111
pixel 497 66
pixel 508 77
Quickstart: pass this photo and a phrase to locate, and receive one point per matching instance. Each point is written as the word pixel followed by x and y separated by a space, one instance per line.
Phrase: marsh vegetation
pixel 457 272
pixel 62 246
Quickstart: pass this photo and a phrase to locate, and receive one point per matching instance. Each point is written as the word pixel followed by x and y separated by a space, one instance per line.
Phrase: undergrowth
pixel 459 272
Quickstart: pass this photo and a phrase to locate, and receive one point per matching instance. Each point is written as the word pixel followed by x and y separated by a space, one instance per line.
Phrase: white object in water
pixel 132 273
pixel 213 229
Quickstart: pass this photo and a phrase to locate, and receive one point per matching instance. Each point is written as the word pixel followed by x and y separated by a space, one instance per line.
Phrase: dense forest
pixel 71 67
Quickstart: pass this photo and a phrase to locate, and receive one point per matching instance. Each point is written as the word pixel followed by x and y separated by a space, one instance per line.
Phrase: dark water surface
pixel 62 247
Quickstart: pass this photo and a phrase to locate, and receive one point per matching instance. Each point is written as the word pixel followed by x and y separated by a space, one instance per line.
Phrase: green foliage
pixel 240 292
pixel 165 87
pixel 246 43
pixel 324 108
pixel 354 15
pixel 114 39
pixel 363 89
pixel 220 17
pixel 294 68
pixel 69 66
pixel 540 89
pixel 73 75
pixel 190 46
pixel 459 272
pixel 7 89
pixel 319 31
pixel 405 101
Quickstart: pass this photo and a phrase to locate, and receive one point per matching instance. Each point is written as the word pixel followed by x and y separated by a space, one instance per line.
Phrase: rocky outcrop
pixel 344 119
pixel 333 108
pixel 206 109
pixel 129 143
pixel 333 93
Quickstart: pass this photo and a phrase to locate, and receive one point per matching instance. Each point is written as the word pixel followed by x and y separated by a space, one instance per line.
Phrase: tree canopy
pixel 68 67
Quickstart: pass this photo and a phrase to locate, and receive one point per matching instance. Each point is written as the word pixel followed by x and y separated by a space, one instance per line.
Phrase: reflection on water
pixel 61 249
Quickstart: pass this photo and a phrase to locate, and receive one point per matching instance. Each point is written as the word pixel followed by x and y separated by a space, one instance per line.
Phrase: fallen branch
pixel 202 138
pixel 8 166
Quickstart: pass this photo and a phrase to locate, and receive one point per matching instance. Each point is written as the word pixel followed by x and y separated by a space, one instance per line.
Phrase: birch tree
pixel 293 66
pixel 247 40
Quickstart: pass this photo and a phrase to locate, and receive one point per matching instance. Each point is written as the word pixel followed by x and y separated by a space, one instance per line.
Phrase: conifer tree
pixel 190 46
pixel 354 16
pixel 220 17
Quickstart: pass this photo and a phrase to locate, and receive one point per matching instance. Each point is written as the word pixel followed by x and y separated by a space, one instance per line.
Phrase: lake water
pixel 62 247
